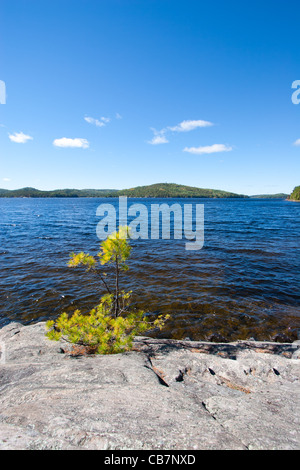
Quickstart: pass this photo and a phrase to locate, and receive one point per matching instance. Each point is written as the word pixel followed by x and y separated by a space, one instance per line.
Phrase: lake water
pixel 244 282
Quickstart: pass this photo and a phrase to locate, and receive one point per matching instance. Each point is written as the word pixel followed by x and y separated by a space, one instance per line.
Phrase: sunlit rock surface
pixel 165 394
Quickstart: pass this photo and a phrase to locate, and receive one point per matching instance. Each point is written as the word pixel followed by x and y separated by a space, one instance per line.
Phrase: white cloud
pixel 99 123
pixel 20 138
pixel 6 179
pixel 189 125
pixel 184 126
pixel 297 143
pixel 208 149
pixel 118 116
pixel 94 121
pixel 158 139
pixel 71 143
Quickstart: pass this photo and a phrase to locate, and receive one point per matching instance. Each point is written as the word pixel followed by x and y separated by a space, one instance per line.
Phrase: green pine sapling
pixel 111 326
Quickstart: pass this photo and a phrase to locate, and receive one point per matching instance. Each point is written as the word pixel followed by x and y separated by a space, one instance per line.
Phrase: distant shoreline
pixel 152 191
pixel 150 197
pixel 165 190
pixel 157 191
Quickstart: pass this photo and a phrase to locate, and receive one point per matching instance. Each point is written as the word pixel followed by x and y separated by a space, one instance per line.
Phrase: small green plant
pixel 111 326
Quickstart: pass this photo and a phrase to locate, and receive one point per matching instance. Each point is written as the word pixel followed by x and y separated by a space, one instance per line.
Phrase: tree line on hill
pixel 295 196
pixel 160 190
pixel 163 190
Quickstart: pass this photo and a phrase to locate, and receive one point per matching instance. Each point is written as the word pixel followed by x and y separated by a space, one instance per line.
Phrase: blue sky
pixel 120 93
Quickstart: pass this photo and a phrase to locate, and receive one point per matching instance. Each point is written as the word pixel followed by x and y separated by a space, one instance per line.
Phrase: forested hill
pixel 295 196
pixel 271 196
pixel 175 190
pixel 32 192
pixel 163 190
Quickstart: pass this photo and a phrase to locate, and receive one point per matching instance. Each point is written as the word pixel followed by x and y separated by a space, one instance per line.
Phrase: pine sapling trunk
pixel 117 307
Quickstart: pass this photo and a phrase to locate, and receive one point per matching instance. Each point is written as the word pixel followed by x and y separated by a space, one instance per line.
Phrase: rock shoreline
pixel 163 395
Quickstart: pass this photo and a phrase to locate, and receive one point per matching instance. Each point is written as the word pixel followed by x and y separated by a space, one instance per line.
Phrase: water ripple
pixel 244 283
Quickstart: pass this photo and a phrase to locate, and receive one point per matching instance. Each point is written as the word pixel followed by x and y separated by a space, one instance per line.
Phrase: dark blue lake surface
pixel 244 282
